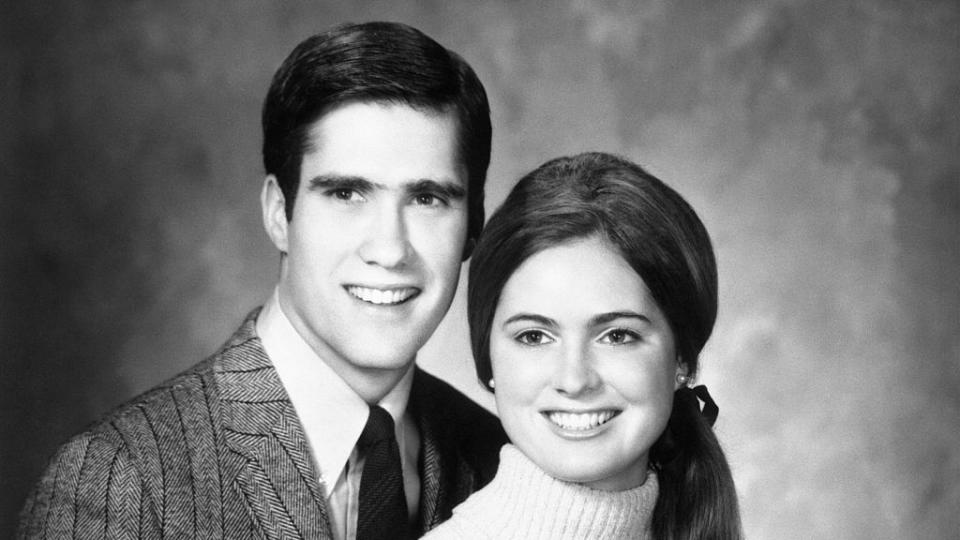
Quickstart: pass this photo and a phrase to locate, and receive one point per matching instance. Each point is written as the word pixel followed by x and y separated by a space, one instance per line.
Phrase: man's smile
pixel 386 296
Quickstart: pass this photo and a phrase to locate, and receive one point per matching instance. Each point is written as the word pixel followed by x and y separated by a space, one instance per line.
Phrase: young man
pixel 313 421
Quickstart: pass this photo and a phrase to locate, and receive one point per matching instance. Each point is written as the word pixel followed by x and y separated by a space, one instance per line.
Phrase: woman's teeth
pixel 382 296
pixel 580 421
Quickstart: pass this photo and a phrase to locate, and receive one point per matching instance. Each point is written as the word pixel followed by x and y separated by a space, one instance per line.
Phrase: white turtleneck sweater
pixel 523 502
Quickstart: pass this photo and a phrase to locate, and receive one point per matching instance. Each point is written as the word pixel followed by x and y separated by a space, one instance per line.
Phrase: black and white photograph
pixel 480 269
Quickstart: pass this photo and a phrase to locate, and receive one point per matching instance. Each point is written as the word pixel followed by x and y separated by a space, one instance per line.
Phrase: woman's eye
pixel 533 337
pixel 619 336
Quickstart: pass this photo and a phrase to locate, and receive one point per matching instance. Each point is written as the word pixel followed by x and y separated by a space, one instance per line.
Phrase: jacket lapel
pixel 446 480
pixel 274 471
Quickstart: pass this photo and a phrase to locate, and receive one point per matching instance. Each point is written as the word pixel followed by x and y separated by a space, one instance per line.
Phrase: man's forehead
pixel 447 114
pixel 388 144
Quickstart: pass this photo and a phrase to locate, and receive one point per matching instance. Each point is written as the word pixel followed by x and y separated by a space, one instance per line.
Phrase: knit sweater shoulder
pixel 524 502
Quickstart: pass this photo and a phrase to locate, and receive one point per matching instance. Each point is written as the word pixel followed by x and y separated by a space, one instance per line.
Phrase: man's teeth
pixel 382 296
pixel 580 421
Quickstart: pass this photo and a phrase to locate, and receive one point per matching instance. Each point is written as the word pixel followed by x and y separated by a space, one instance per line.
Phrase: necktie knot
pixel 382 512
pixel 379 427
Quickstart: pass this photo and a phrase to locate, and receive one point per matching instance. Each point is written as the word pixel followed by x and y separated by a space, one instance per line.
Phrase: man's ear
pixel 468 248
pixel 272 203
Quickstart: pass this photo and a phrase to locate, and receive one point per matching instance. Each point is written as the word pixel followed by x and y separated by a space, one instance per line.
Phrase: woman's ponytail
pixel 697 497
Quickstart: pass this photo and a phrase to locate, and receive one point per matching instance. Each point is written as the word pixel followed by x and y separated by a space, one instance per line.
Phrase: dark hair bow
pixel 709 410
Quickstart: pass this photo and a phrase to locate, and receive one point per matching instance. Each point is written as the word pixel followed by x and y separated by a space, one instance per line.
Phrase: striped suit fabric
pixel 219 452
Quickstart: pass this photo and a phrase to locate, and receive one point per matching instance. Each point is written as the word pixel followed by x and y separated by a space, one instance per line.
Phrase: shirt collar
pixel 332 414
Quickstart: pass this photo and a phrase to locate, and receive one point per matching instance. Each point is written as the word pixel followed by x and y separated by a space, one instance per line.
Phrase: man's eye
pixel 428 199
pixel 345 195
pixel 533 337
pixel 619 336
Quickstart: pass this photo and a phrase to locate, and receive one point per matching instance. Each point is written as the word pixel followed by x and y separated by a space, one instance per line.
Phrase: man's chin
pixel 385 357
pixel 374 365
pixel 375 376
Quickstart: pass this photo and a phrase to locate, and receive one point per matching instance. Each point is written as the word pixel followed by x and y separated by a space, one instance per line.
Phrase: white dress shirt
pixel 333 416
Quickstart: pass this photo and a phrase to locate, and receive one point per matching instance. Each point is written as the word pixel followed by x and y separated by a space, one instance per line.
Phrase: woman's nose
pixel 575 374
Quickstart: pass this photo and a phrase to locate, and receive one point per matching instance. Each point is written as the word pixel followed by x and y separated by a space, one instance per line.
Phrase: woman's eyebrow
pixel 604 318
pixel 530 317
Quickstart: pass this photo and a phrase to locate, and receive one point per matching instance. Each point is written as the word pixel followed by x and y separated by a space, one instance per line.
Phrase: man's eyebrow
pixel 531 317
pixel 335 181
pixel 604 318
pixel 448 189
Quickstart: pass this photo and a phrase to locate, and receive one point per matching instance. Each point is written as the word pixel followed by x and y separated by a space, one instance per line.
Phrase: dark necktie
pixel 383 508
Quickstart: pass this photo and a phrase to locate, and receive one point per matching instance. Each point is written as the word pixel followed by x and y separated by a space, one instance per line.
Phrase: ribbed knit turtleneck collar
pixel 522 501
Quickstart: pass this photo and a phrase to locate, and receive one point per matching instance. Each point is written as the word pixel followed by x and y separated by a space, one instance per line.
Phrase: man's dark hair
pixel 378 62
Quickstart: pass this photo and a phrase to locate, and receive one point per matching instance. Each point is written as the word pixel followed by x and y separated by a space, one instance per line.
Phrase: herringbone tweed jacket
pixel 218 452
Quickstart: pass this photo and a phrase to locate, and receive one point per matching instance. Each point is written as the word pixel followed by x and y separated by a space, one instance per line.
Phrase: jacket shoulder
pixel 114 477
pixel 190 399
pixel 187 393
pixel 127 474
pixel 101 480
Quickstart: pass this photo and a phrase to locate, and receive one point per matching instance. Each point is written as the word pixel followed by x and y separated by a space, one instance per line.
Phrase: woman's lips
pixel 580 421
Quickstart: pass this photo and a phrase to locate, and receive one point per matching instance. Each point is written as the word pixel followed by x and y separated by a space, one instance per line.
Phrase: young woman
pixel 592 291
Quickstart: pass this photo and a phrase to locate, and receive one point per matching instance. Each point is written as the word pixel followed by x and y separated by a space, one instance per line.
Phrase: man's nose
pixel 575 374
pixel 386 242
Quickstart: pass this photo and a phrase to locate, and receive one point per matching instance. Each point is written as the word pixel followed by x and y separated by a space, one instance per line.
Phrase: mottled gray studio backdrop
pixel 818 139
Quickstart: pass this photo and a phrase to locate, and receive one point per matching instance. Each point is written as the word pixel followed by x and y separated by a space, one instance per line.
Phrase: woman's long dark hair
pixel 663 240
